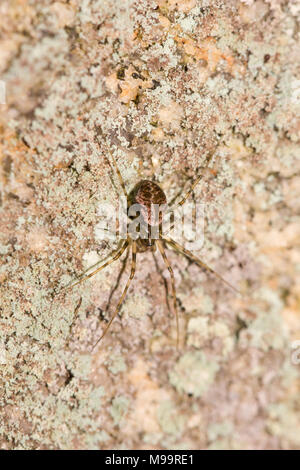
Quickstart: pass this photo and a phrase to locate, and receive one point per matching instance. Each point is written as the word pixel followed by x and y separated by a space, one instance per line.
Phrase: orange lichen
pixel 206 50
pixel 130 85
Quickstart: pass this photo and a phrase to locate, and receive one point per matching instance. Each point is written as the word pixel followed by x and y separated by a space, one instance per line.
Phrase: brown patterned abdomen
pixel 147 193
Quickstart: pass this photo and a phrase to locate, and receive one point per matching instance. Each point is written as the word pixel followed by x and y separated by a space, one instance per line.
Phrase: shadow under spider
pixel 145 193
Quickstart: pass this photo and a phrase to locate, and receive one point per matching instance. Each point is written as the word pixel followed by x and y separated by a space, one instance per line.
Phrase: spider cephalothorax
pixel 147 194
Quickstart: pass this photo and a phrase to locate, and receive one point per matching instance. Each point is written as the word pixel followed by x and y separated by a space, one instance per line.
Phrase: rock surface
pixel 159 84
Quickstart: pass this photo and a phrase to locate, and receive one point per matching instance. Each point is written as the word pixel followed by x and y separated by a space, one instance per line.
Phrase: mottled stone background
pixel 158 83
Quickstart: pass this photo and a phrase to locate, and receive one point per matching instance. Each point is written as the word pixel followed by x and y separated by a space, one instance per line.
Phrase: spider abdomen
pixel 147 193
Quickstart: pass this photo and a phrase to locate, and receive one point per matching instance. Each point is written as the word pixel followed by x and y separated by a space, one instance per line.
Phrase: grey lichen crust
pixel 159 84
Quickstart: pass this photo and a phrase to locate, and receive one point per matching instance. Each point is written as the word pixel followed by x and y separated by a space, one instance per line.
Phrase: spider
pixel 146 193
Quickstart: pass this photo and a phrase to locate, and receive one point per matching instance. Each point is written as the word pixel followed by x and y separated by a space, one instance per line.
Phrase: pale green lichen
pixel 228 443
pixel 267 330
pixel 198 331
pixel 119 409
pixel 197 300
pixel 4 249
pixel 116 364
pixel 92 441
pixel 284 422
pixel 203 329
pixel 136 307
pixel 193 374
pixel 170 420
pixel 221 429
pixel 93 400
pixel 82 366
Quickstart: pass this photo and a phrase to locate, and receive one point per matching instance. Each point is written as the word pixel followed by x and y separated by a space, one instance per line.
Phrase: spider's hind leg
pixel 133 268
pixel 168 265
pixel 124 263
pixel 198 261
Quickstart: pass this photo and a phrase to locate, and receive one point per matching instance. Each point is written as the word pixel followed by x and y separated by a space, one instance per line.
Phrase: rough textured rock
pixel 159 84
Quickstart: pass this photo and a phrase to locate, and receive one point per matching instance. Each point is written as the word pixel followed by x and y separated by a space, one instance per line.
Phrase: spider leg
pixel 167 263
pixel 124 263
pixel 74 319
pixel 119 175
pixel 194 258
pixel 119 252
pixel 97 263
pixel 189 192
pixel 164 281
pixel 116 168
pixel 194 184
pixel 133 267
pixel 83 277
